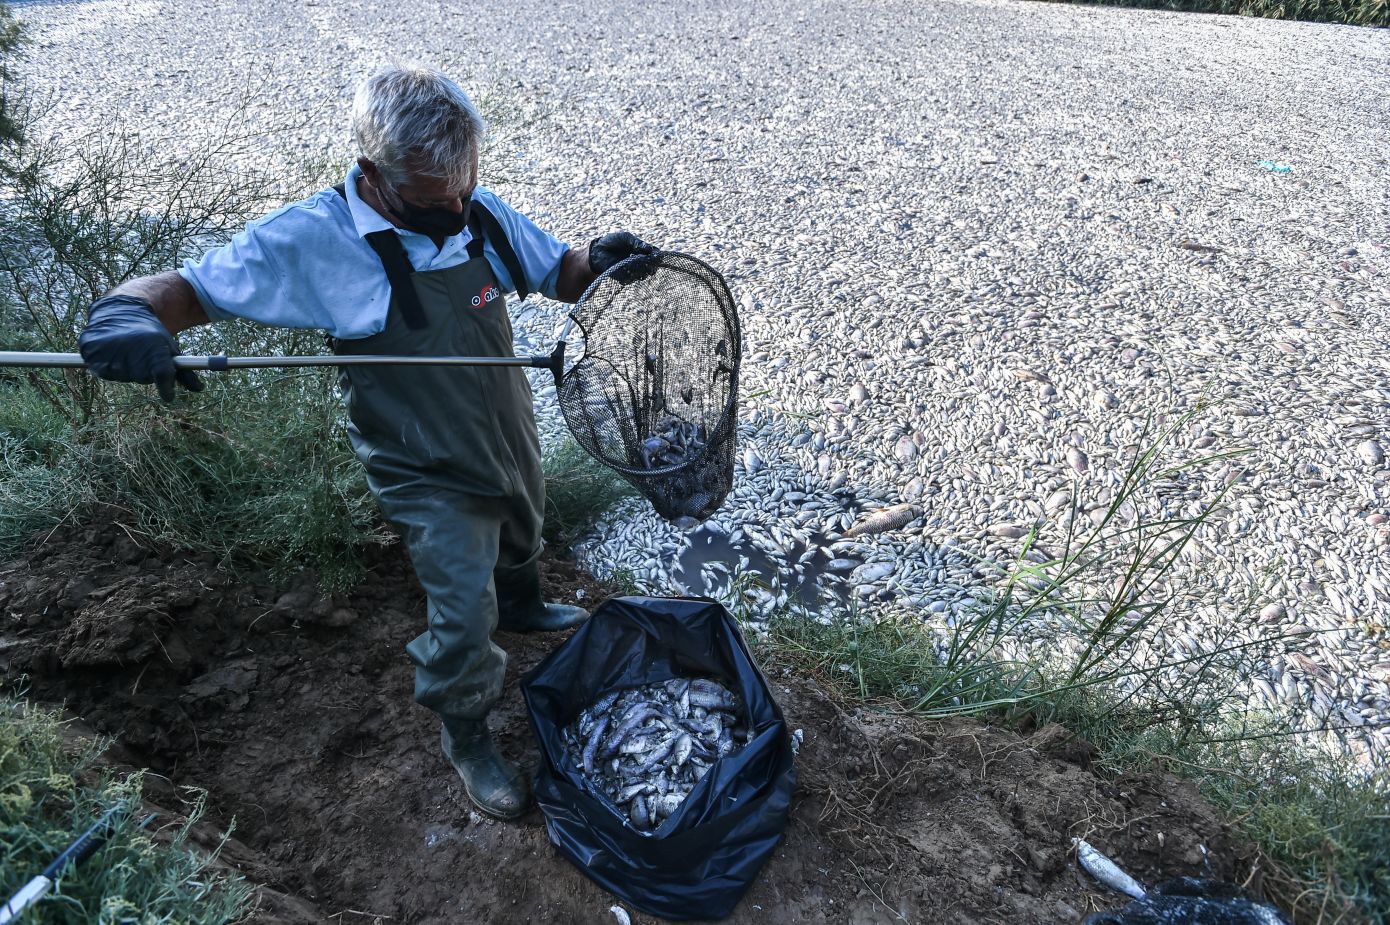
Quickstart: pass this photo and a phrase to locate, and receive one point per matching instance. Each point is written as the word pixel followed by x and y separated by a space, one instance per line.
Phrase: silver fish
pixel 645 748
pixel 890 518
pixel 680 752
pixel 592 748
pixel 640 788
pixel 1105 870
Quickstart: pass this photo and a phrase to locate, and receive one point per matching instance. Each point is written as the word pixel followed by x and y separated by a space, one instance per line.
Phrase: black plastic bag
pixel 698 862
pixel 1192 901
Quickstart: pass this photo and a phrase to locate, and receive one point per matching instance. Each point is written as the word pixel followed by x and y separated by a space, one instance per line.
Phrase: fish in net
pixel 655 395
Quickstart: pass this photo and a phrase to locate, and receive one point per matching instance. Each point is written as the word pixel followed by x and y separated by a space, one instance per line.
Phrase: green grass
pixel 1349 12
pixel 1111 674
pixel 1323 822
pixel 50 794
pixel 577 492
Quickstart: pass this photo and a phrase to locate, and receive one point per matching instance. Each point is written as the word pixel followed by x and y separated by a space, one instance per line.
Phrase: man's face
pixel 424 192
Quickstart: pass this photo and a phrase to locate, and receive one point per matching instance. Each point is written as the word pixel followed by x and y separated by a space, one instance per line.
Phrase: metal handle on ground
pixel 79 850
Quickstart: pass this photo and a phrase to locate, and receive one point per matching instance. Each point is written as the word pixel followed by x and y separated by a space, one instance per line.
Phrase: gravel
pixel 976 246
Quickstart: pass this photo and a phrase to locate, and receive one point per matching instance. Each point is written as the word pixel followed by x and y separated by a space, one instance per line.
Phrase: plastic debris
pixel 1192 901
pixel 1276 167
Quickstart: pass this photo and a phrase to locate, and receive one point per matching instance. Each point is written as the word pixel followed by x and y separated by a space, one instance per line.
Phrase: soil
pixel 293 710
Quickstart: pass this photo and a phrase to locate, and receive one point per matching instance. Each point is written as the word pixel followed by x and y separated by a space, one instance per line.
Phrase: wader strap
pixel 492 229
pixel 391 252
pixel 483 224
pixel 475 227
pixel 389 248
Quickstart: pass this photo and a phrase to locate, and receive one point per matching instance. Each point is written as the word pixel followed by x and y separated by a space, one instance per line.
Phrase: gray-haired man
pixel 408 256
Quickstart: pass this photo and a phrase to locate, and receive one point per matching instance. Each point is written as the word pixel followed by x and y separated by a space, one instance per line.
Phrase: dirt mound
pixel 293 709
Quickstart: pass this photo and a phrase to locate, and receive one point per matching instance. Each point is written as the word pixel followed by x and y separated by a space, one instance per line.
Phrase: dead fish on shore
pixel 1105 870
pixel 646 747
pixel 889 518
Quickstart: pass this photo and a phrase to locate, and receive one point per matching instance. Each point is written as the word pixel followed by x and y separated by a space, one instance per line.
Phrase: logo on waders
pixel 488 294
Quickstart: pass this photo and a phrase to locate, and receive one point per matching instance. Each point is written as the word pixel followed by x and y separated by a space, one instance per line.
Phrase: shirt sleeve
pixel 247 278
pixel 538 251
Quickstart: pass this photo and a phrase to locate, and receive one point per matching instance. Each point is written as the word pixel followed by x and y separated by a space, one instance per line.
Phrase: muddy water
pixel 711 559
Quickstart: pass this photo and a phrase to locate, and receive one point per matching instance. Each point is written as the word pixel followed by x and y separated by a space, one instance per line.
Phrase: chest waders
pixel 453 458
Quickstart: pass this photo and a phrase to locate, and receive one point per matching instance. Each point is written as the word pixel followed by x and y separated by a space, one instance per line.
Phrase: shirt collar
pixel 364 218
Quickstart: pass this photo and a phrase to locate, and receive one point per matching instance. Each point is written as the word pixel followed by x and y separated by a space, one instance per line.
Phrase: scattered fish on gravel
pixel 645 748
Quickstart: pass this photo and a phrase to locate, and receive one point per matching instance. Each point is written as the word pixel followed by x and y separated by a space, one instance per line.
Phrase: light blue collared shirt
pixel 308 264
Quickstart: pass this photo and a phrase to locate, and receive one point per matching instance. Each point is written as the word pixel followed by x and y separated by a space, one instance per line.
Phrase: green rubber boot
pixel 519 605
pixel 492 782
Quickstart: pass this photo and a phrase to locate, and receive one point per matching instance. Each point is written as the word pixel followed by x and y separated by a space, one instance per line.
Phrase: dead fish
pixel 1105 870
pixel 890 518
pixel 641 788
pixel 657 754
pixel 666 805
pixel 652 744
pixel 711 701
pixel 680 752
pixel 639 815
pixel 672 442
pixel 637 745
pixel 592 748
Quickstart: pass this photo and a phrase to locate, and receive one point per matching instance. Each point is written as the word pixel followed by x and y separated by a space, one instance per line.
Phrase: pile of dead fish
pixel 675 442
pixel 645 748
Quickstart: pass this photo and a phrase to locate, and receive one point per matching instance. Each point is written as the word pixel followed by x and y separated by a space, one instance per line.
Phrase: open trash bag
pixel 1192 901
pixel 699 861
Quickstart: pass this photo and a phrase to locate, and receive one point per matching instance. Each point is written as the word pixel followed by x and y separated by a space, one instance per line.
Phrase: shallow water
pixel 805 582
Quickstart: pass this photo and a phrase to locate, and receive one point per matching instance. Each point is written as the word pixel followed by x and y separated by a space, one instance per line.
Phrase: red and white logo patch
pixel 488 294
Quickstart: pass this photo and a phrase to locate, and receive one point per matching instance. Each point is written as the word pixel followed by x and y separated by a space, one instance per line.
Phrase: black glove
pixel 606 251
pixel 124 342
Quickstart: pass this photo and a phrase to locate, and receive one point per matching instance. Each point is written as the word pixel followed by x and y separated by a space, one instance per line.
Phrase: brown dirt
pixel 293 710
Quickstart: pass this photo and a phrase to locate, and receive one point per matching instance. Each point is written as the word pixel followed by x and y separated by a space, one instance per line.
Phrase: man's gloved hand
pixel 124 342
pixel 613 248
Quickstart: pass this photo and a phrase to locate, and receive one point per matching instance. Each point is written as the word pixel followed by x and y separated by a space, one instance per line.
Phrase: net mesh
pixel 655 396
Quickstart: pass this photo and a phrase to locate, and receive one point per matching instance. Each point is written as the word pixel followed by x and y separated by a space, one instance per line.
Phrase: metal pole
pixel 81 848
pixel 217 363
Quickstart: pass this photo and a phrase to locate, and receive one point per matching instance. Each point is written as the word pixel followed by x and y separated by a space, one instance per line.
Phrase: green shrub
pixel 578 491
pixel 11 102
pixel 255 468
pixel 44 806
pixel 1349 12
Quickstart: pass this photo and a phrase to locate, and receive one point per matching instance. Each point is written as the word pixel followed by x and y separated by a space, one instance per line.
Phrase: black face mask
pixel 437 223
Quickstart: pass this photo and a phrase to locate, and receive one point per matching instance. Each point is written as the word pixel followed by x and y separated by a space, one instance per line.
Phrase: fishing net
pixel 655 396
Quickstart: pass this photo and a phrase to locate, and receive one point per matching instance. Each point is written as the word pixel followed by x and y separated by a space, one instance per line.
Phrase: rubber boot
pixel 492 782
pixel 519 605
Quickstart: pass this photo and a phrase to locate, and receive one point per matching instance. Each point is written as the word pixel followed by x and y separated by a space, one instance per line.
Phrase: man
pixel 408 256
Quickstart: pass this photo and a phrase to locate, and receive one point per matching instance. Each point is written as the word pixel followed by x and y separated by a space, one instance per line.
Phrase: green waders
pixel 453 458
